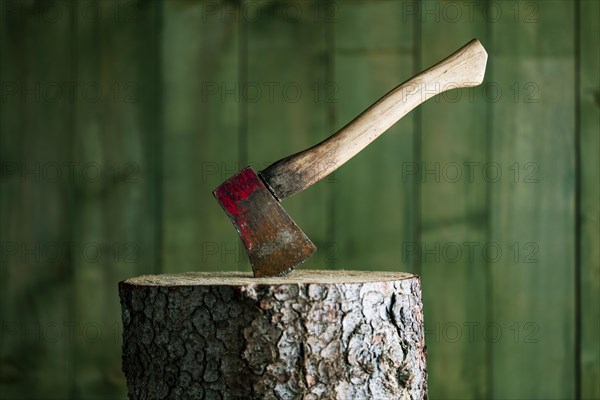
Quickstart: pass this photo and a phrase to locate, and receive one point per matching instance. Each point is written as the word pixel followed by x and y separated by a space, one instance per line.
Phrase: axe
pixel 275 244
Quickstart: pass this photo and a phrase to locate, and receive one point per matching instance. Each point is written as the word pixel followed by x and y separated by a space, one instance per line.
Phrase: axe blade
pixel 274 243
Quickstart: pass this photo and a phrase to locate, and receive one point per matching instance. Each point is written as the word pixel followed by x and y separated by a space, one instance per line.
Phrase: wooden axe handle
pixel 464 68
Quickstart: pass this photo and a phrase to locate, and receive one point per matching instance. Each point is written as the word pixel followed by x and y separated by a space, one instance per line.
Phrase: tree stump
pixel 310 335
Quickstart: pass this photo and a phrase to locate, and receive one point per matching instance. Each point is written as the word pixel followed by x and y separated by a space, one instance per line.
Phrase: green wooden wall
pixel 118 118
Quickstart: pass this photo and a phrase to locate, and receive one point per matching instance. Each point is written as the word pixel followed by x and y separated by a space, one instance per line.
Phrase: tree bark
pixel 311 335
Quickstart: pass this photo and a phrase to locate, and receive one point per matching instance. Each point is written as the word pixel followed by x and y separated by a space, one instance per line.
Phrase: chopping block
pixel 310 335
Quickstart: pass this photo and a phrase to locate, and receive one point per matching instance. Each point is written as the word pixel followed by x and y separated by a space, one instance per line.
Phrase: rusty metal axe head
pixel 274 242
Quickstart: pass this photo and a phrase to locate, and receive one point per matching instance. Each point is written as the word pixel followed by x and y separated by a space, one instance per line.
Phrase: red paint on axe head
pixel 274 243
pixel 238 188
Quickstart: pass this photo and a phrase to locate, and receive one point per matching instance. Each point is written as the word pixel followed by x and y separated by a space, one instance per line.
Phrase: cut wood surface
pixel 311 335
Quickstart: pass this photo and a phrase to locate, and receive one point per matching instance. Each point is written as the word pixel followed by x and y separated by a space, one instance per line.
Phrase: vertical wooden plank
pixel 200 48
pixel 453 211
pixel 10 145
pixel 287 97
pixel 6 71
pixel 35 130
pixel 118 120
pixel 532 212
pixel 589 201
pixel 372 199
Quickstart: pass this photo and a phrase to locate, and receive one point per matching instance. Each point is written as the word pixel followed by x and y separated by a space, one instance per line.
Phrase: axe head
pixel 274 243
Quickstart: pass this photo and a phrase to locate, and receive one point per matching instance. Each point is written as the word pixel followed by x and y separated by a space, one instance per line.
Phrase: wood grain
pixel 533 219
pixel 287 100
pixel 36 356
pixel 118 213
pixel 371 198
pixel 200 53
pixel 454 138
pixel 464 68
pixel 589 212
